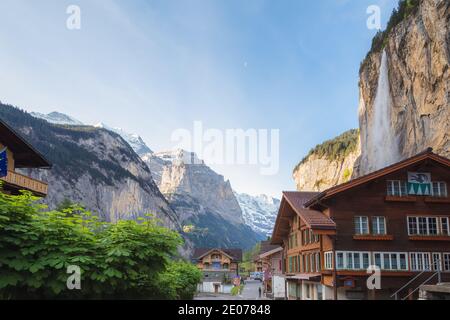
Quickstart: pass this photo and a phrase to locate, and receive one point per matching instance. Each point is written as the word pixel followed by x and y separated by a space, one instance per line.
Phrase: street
pixel 250 292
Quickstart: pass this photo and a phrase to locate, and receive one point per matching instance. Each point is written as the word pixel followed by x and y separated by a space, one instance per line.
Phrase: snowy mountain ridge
pixel 259 212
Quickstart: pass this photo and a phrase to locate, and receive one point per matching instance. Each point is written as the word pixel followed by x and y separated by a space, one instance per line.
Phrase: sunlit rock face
pixel 415 72
pixel 404 101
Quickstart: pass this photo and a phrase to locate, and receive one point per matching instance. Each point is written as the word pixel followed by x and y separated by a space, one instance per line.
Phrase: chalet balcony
pixel 17 181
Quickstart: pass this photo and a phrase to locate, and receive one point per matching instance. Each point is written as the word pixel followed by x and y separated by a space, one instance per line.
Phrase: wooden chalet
pixel 218 259
pixel 220 268
pixel 395 220
pixel 20 155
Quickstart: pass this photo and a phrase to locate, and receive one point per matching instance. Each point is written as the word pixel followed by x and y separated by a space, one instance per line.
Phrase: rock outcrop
pixel 412 111
pixel 418 59
pixel 202 198
pixel 328 164
pixel 93 167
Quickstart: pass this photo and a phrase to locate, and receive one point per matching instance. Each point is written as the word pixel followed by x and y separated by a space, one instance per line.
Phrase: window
pixel 444 226
pixel 391 260
pixel 318 266
pixel 308 291
pixel 422 225
pixel 412 225
pixel 428 226
pixel 436 262
pixel 319 292
pixel 420 261
pixel 378 225
pixel 290 265
pixel 439 189
pixel 396 188
pixel 340 260
pixel 300 259
pixel 361 225
pixel 352 260
pixel 432 226
pixel 306 236
pixel 365 260
pixel 328 260
pixel 446 261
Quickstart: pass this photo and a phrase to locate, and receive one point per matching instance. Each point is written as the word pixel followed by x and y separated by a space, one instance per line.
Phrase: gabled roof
pixel 313 219
pixel 293 203
pixel 234 254
pixel 25 156
pixel 267 246
pixel 271 252
pixel 427 154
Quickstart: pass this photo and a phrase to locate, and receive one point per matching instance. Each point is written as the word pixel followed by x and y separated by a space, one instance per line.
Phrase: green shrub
pixel 237 290
pixel 122 260
pixel 337 148
pixel 347 174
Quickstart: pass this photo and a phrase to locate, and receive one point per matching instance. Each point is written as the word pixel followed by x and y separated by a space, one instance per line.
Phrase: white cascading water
pixel 382 142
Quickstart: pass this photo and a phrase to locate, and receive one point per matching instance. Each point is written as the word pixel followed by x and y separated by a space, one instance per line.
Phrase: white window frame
pixel 349 264
pixel 317 262
pixel 419 261
pixel 440 220
pixel 328 260
pixel 446 261
pixel 358 221
pixel 436 256
pixel 376 224
pixel 390 262
pixel 401 185
pixel 439 230
pixel 442 189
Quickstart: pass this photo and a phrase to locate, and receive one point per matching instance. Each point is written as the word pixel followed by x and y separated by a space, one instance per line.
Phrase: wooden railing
pixel 26 183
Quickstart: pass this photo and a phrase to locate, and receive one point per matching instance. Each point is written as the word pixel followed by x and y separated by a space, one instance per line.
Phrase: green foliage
pixel 347 174
pixel 237 290
pixel 334 149
pixel 123 260
pixel 404 10
pixel 248 256
pixel 180 280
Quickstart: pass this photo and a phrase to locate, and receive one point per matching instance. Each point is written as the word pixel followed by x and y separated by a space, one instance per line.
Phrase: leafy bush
pixel 180 280
pixel 237 290
pixel 123 260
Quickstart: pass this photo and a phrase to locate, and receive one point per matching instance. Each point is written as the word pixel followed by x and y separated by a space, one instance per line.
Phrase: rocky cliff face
pixel 418 58
pixel 94 167
pixel 404 98
pixel 259 212
pixel 328 164
pixel 201 198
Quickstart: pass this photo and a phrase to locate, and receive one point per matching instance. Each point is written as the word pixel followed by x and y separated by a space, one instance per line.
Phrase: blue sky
pixel 151 67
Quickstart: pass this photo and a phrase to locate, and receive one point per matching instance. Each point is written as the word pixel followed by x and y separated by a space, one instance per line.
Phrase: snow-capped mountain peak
pixel 134 140
pixel 259 212
pixel 57 118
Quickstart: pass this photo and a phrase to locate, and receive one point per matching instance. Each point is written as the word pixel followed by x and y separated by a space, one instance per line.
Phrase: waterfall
pixel 382 142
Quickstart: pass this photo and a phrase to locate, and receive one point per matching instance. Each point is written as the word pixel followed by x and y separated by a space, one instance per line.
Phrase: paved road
pixel 250 292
